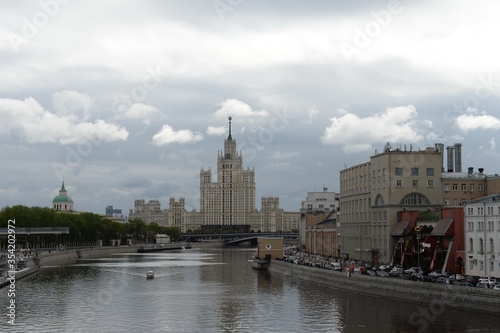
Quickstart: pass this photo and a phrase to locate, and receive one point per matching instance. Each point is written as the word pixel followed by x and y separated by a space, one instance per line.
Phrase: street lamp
pixel 418 246
pixel 401 242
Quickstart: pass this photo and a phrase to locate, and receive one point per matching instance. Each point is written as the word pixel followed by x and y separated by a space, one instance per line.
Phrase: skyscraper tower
pixel 230 200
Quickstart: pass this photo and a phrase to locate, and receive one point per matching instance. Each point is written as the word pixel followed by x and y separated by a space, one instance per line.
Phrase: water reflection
pixel 207 291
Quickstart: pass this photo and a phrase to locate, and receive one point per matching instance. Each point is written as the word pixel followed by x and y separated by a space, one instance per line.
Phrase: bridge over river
pixel 233 239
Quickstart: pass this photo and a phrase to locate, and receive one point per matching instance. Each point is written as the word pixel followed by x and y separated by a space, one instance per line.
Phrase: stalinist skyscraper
pixel 230 201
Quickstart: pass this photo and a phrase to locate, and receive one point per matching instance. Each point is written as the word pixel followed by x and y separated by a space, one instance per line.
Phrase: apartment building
pixel 372 194
pixel 228 202
pixel 482 236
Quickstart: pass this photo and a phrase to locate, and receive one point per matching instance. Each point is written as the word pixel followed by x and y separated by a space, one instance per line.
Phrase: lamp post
pixel 361 247
pixel 401 242
pixel 418 248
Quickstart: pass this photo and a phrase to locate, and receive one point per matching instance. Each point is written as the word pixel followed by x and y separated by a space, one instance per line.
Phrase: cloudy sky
pixel 130 99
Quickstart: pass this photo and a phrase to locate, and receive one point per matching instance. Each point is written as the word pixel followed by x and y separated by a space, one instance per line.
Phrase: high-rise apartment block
pixel 225 203
pixel 231 199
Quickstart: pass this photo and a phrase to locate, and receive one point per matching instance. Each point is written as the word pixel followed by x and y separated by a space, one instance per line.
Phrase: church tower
pixel 63 201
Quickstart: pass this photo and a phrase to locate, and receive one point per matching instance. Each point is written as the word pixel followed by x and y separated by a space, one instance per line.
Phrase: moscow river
pixel 208 290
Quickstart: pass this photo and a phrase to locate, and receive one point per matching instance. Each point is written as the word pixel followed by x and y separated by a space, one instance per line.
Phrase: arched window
pixel 379 200
pixel 492 246
pixel 471 244
pixel 415 199
pixel 481 245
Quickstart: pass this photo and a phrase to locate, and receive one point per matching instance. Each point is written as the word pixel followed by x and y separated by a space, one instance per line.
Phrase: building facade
pixel 149 212
pixel 373 193
pixel 320 201
pixel 226 203
pixel 230 200
pixel 482 236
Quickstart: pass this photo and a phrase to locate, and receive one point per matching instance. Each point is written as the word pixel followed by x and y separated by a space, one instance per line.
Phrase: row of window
pixel 480 210
pixel 414 171
pixel 414 183
pixel 480 226
pixel 491 247
pixel 481 265
pixel 472 187
pixel 398 171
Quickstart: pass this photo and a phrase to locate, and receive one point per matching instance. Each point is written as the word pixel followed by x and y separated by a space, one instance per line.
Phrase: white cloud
pixel 237 108
pixel 469 122
pixel 493 144
pixel 312 112
pixel 72 104
pixel 36 125
pixel 357 134
pixel 167 135
pixel 140 111
pixel 211 130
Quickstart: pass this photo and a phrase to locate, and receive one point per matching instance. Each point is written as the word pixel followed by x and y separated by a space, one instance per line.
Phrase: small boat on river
pixel 150 275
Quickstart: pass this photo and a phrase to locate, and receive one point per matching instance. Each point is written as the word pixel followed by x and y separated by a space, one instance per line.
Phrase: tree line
pixel 83 227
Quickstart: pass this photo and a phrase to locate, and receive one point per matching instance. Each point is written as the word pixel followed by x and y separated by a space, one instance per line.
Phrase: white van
pixel 336 266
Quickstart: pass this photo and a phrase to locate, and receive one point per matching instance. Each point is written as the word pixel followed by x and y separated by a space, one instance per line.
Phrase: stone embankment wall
pixel 416 292
pixel 70 256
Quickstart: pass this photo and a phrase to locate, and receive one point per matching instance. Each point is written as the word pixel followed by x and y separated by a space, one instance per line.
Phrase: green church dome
pixel 63 196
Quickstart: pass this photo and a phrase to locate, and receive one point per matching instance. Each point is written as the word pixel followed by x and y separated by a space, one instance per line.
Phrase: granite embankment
pixel 71 256
pixel 422 293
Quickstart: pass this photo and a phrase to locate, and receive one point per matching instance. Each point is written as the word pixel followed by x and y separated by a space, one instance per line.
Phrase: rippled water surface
pixel 208 291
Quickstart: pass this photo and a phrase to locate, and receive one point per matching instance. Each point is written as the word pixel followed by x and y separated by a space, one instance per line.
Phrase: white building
pixel 482 236
pixel 320 201
pixel 149 212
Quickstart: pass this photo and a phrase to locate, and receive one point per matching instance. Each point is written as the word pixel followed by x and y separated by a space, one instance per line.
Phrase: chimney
pixel 449 156
pixel 440 149
pixel 458 157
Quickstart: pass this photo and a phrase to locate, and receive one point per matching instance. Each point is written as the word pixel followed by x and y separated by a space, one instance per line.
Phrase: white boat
pixel 150 275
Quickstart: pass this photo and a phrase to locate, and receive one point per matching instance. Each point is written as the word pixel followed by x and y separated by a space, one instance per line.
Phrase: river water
pixel 208 290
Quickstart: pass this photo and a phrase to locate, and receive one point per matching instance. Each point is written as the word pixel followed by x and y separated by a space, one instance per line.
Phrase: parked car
pixel 435 274
pixel 381 273
pixel 489 280
pixel 395 272
pixel 442 279
pixel 482 285
pixel 463 283
pixel 370 272
pixel 497 286
pixel 386 268
pixel 414 270
pixel 336 266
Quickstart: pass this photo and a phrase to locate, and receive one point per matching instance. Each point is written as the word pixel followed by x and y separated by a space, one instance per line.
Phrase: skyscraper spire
pixel 230 138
